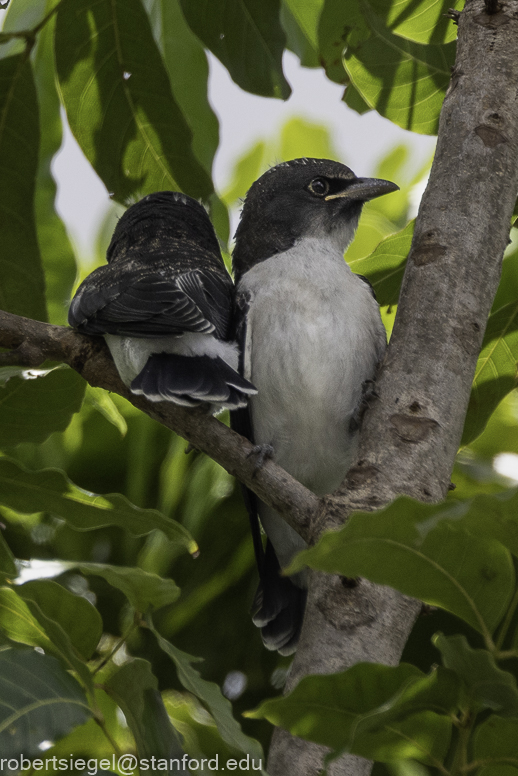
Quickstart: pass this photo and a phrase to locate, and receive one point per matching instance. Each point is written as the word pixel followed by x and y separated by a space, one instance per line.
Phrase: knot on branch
pixel 426 249
pixel 413 429
pixel 490 136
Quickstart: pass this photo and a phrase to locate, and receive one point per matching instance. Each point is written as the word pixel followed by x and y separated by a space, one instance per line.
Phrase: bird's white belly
pixel 313 338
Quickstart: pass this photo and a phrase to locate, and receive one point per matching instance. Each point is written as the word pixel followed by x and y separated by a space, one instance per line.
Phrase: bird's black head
pixel 301 198
pixel 157 223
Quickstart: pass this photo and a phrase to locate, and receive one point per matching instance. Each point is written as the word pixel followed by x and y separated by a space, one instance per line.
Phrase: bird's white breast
pixel 314 335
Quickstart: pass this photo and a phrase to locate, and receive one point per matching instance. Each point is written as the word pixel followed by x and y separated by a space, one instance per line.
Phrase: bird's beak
pixel 363 189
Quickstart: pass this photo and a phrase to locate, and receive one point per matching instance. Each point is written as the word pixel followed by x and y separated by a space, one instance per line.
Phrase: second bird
pixel 164 304
pixel 311 335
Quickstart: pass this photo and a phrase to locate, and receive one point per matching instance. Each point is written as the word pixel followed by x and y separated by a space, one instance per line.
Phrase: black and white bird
pixel 164 304
pixel 311 335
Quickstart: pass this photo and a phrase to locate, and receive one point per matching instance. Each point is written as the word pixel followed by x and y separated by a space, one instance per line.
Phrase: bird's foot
pixel 368 398
pixel 261 453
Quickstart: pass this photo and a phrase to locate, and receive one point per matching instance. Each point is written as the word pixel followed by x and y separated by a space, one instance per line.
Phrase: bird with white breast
pixel 311 336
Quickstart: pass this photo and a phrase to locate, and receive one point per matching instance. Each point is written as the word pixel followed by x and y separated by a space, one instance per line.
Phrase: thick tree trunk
pixel 411 435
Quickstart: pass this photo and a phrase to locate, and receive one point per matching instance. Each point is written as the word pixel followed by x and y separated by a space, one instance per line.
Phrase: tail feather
pixel 278 607
pixel 190 380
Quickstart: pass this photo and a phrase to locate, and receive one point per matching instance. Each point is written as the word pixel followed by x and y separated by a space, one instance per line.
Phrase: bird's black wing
pixel 151 302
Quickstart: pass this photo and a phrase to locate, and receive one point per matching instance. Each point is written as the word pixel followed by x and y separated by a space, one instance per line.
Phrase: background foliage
pixel 91 622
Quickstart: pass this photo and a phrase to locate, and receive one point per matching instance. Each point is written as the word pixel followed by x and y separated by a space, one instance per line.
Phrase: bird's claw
pixel 368 398
pixel 262 453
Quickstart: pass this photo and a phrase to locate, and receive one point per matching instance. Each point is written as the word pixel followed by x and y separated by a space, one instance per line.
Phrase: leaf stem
pixel 118 645
pixel 102 724
pixel 460 760
pixel 29 35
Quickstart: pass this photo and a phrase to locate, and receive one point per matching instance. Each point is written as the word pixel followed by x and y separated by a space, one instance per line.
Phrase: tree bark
pixel 411 435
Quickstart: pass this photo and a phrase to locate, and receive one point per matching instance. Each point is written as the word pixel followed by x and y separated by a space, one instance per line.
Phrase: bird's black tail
pixel 278 607
pixel 190 380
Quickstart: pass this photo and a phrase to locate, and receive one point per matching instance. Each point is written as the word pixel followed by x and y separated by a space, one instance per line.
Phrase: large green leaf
pixel 210 694
pixel 77 617
pixel 403 80
pixel 37 404
pixel 495 746
pixel 247 37
pixel 386 264
pixel 487 686
pixel 119 101
pixel 39 701
pixel 423 21
pixel 434 560
pixel 51 491
pixel 135 689
pixel 22 288
pixel 56 250
pixel 23 620
pixel 379 712
pixel 300 21
pixel 188 71
pixel 145 591
pixel 495 373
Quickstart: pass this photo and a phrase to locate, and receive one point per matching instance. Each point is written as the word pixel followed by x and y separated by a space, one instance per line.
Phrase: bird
pixel 164 304
pixel 311 337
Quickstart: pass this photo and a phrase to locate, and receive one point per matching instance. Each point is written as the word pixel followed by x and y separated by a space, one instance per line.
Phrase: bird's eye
pixel 319 187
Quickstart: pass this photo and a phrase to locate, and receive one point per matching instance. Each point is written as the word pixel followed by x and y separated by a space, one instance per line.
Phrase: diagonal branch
pixel 33 342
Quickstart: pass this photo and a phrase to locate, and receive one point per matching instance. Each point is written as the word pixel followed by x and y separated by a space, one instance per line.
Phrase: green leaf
pixel 385 266
pixel 8 566
pixel 404 81
pixel 487 517
pixel 423 21
pixel 300 22
pixel 77 617
pixel 355 101
pixel 332 30
pixel 42 402
pixel 410 548
pixel 135 689
pixel 101 401
pixel 379 712
pixel 22 286
pixel 119 101
pixel 495 373
pixel 487 686
pixel 188 70
pixel 56 249
pixel 495 745
pixel 39 701
pixel 210 694
pixel 50 490
pixel 145 591
pixel 247 37
pixel 24 621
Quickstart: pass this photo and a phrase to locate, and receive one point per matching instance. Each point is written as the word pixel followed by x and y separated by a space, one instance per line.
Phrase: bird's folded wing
pixel 144 303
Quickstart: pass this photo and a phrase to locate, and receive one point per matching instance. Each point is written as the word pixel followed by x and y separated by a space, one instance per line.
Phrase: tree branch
pixel 33 342
pixel 410 437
